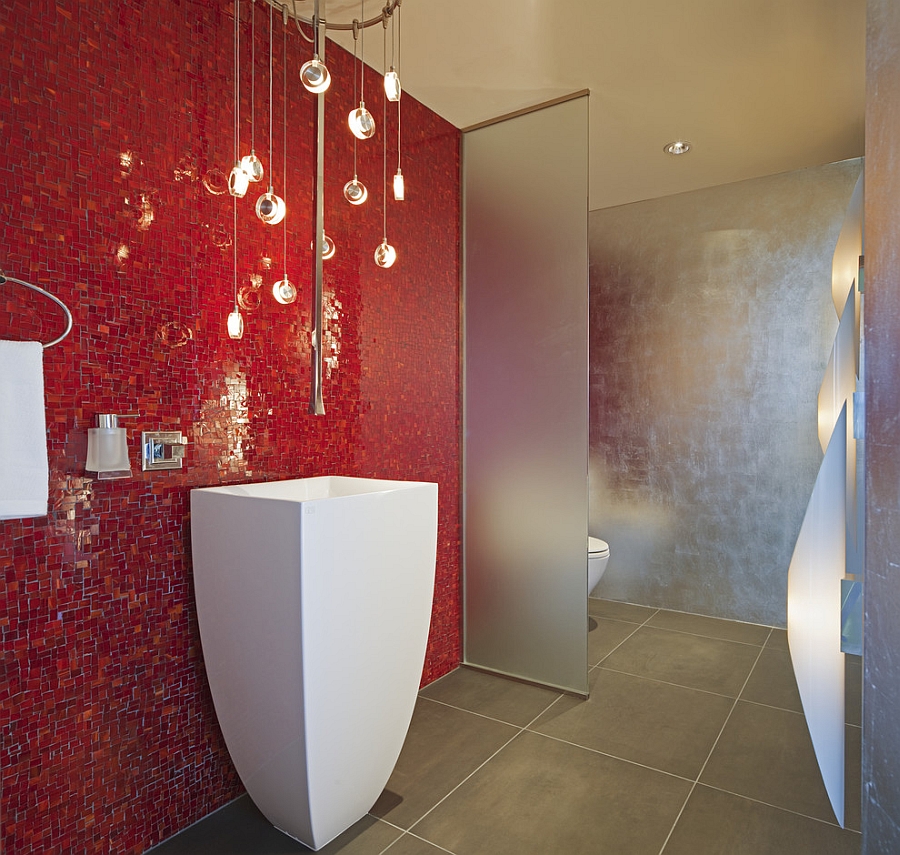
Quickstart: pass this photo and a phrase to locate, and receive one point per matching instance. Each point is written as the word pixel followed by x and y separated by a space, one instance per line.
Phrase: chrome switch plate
pixel 162 449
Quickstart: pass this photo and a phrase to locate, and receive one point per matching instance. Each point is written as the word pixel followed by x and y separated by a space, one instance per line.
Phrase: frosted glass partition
pixel 526 395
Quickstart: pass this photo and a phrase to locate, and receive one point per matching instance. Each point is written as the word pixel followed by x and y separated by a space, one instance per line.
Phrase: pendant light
pixel 238 181
pixel 250 163
pixel 392 93
pixel 385 254
pixel 360 120
pixel 314 76
pixel 284 290
pixel 235 321
pixel 269 207
pixel 355 191
pixel 392 89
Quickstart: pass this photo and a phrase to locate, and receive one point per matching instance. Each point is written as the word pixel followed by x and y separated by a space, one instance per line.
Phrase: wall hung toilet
pixel 598 555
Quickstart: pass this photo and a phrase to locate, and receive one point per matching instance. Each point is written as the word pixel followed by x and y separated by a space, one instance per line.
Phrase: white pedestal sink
pixel 314 602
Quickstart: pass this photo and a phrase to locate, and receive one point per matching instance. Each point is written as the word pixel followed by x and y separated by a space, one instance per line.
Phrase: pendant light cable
pixel 384 169
pixel 234 323
pixel 253 76
pixel 362 54
pixel 237 37
pixel 355 139
pixel 284 135
pixel 237 79
pixel 283 290
pixel 397 69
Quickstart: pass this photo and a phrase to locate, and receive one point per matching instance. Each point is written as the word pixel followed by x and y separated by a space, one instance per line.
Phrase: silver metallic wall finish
pixel 711 325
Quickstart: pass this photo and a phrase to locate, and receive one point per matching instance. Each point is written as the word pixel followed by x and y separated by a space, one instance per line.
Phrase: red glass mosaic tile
pixel 116 119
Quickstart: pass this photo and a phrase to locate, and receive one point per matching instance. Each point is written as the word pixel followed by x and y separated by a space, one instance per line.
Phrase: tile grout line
pixel 416 837
pixel 715 743
pixel 516 735
pixel 612 756
pixel 637 626
pixel 490 717
pixel 710 637
pixel 780 808
pixel 688 632
pixel 603 667
pixel 610 653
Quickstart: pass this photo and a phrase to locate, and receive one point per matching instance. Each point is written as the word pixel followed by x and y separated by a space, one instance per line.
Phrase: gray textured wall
pixel 711 325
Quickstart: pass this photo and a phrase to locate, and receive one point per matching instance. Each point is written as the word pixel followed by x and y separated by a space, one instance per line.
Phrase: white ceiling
pixel 757 86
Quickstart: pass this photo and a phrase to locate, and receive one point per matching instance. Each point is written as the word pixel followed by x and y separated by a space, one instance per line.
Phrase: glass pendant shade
pixel 238 182
pixel 392 85
pixel 252 165
pixel 399 186
pixel 361 122
pixel 235 324
pixel 314 76
pixel 385 254
pixel 328 247
pixel 270 208
pixel 284 291
pixel 355 192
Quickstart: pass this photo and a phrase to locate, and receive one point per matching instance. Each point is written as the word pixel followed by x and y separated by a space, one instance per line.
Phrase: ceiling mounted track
pixel 386 12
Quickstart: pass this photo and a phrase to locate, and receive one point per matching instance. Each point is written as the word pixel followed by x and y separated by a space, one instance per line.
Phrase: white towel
pixel 24 473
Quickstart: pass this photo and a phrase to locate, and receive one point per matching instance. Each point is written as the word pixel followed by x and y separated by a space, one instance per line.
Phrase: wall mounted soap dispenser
pixel 107 451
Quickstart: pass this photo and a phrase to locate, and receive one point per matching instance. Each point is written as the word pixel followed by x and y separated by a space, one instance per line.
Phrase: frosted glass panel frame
pixel 525 185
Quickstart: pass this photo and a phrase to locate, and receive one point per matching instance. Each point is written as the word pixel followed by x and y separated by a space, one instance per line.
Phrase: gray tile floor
pixel 693 742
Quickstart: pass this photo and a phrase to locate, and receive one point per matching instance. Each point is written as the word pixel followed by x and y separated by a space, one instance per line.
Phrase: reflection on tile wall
pixel 711 324
pixel 117 126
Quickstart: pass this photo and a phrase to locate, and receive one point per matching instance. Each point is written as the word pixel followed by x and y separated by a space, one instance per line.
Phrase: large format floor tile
pixel 240 829
pixel 727 630
pixel 443 746
pixel 606 635
pixel 539 796
pixel 778 641
pixel 486 694
pixel 709 664
pixel 409 844
pixel 773 683
pixel 619 611
pixel 717 823
pixel 656 724
pixel 766 754
pixel 609 774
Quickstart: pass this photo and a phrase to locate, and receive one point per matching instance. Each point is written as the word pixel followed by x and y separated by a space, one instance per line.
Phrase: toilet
pixel 598 555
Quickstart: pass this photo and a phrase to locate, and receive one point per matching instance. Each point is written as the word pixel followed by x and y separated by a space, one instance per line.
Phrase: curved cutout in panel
pixel 849 247
pixel 839 382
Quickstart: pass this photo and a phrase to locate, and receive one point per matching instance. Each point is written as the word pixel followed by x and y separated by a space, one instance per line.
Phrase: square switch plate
pixel 162 450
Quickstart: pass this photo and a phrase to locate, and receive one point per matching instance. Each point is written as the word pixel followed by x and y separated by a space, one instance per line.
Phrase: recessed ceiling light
pixel 677 147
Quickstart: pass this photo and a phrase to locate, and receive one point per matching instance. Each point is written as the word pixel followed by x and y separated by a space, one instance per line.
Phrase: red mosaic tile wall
pixel 116 118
